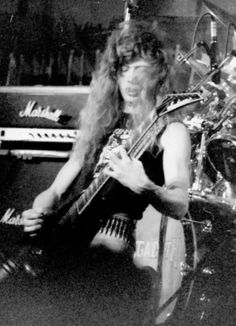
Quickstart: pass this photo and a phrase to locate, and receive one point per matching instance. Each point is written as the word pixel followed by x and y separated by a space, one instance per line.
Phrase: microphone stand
pixel 214 52
pixel 130 7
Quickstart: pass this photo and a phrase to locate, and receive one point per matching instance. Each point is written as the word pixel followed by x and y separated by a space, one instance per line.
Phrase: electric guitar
pixel 135 147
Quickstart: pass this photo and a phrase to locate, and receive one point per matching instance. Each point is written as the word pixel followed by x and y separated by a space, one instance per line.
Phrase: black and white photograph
pixel 117 163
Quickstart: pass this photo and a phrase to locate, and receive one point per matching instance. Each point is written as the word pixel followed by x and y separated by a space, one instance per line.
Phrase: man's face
pixel 132 80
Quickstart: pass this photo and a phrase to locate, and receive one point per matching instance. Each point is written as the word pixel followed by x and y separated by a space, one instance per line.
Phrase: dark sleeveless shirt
pixel 121 199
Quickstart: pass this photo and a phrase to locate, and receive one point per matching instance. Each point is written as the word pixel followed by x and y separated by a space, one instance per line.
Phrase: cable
pixel 194 39
pixel 197 25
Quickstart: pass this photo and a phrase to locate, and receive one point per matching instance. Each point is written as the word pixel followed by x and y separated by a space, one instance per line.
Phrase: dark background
pixel 51 42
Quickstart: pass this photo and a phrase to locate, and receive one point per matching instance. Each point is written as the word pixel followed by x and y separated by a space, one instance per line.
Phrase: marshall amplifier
pixel 39 121
pixel 41 107
pixel 38 126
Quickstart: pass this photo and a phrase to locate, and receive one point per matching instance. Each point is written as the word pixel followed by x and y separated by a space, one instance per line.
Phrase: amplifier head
pixel 42 106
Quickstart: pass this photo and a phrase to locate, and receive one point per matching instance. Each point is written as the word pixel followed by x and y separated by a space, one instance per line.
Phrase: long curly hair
pixel 131 41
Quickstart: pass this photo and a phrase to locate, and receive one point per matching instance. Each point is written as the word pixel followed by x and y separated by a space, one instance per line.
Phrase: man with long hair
pixel 124 90
pixel 129 81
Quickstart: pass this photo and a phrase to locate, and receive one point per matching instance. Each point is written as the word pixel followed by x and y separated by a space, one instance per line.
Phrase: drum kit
pixel 212 126
pixel 182 247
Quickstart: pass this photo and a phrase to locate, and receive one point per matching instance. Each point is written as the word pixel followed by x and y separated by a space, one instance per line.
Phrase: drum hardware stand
pixel 197 187
pixel 201 152
pixel 225 116
pixel 206 224
pixel 207 227
pixel 155 310
pixel 220 183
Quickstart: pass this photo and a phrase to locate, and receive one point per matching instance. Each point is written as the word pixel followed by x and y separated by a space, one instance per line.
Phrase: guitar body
pixel 74 228
pixel 160 248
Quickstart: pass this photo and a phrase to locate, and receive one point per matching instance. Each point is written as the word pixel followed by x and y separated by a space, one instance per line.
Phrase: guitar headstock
pixel 173 102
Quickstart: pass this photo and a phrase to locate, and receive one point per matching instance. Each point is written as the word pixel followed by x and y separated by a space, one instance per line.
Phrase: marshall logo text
pixel 36 111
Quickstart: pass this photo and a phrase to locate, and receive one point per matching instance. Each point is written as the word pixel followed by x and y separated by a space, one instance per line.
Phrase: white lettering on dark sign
pixel 8 217
pixel 33 110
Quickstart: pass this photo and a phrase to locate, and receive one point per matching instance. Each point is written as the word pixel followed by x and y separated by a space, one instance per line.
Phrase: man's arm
pixel 48 199
pixel 172 199
pixel 63 180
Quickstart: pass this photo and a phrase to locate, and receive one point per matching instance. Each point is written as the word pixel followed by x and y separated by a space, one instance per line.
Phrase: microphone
pixel 214 52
